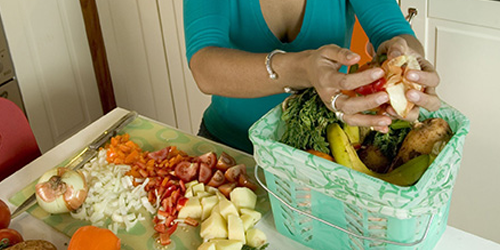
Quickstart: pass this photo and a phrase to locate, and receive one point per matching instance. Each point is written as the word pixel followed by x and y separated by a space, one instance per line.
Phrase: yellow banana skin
pixel 345 154
pixel 342 150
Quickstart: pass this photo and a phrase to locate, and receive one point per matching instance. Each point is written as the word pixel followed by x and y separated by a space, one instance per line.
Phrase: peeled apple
pixel 61 190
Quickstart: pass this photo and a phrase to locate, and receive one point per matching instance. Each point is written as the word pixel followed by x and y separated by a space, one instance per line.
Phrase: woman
pixel 229 43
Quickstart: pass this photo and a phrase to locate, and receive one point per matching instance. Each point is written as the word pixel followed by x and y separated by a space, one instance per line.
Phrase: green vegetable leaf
pixel 247 247
pixel 306 118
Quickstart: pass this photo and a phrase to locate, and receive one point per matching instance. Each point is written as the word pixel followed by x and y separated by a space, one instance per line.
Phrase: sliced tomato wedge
pixel 245 181
pixel 226 188
pixel 233 173
pixel 225 161
pixel 186 170
pixel 205 173
pixel 217 179
pixel 210 159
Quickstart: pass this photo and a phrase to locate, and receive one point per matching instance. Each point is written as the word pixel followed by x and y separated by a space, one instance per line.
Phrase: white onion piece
pixel 112 201
pixel 61 190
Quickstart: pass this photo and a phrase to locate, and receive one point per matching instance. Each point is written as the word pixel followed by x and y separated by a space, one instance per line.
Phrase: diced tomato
pixel 190 221
pixel 374 87
pixel 209 158
pixel 225 161
pixel 233 173
pixel 245 181
pixel 226 188
pixel 165 239
pixel 186 171
pixel 183 186
pixel 159 155
pixel 217 179
pixel 160 228
pixel 205 173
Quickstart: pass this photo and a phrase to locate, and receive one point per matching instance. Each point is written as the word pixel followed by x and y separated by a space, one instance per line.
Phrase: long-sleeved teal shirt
pixel 239 24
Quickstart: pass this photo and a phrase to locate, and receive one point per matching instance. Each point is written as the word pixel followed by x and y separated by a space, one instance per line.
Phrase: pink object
pixel 18 145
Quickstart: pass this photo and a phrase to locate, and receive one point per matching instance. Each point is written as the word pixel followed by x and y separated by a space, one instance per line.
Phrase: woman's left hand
pixel 427 77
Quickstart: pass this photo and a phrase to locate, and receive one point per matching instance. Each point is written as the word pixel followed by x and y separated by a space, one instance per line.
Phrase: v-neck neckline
pixel 272 36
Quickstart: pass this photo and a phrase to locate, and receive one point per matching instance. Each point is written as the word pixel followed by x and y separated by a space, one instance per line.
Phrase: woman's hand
pixel 323 67
pixel 426 77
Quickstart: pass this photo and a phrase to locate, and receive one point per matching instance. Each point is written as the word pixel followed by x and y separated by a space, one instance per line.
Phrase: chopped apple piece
pixel 226 208
pixel 214 227
pixel 235 228
pixel 256 238
pixel 191 209
pixel 243 197
pixel 207 204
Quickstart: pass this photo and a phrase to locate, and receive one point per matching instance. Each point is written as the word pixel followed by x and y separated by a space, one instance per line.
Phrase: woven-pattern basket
pixel 324 205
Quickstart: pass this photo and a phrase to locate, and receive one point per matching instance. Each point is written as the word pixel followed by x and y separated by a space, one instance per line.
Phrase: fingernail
pixel 412 76
pixel 413 96
pixel 383 123
pixel 377 74
pixel 351 56
pixel 382 99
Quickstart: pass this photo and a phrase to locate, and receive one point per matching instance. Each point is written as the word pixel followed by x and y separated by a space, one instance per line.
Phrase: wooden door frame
pixel 98 53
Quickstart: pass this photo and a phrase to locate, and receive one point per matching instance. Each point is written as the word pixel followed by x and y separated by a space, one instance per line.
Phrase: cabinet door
pixel 467 59
pixel 137 57
pixel 53 65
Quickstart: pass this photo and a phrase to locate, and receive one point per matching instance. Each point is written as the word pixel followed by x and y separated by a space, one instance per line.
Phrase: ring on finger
pixel 334 101
pixel 340 116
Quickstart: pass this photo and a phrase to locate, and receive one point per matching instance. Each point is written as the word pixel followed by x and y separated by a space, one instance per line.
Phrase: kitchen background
pixel 64 90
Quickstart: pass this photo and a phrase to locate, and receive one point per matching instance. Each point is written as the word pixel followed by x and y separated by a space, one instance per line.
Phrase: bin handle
pixel 338 227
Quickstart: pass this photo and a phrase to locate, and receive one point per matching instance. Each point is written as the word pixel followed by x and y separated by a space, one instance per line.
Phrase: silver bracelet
pixel 273 74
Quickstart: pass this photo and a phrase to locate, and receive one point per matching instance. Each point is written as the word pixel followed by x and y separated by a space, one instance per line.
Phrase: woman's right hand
pixel 322 67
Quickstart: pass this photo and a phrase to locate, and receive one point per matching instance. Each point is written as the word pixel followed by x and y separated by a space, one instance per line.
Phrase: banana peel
pixel 345 154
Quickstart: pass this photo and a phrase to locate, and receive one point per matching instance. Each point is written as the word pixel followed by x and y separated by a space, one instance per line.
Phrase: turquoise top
pixel 239 24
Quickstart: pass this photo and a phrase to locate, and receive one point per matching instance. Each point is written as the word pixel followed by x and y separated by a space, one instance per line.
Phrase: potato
pixel 256 238
pixel 222 244
pixel 207 204
pixel 207 246
pixel 422 139
pixel 192 209
pixel 235 228
pixel 214 227
pixel 243 197
pixel 255 215
pixel 226 208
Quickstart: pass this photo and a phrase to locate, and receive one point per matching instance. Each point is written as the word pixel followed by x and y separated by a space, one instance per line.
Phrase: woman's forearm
pixel 235 73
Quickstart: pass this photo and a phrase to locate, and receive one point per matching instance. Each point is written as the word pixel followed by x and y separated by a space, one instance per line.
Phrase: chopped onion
pixel 112 199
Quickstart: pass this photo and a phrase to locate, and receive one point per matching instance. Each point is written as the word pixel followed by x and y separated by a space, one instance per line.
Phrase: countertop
pixel 32 228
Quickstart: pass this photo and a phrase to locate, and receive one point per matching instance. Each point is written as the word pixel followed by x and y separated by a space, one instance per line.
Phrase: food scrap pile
pixel 400 156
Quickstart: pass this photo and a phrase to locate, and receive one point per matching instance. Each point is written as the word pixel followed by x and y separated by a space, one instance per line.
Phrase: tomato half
pixel 9 237
pixel 4 215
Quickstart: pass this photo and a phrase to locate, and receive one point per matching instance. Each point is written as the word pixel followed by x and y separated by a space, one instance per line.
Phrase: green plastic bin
pixel 326 206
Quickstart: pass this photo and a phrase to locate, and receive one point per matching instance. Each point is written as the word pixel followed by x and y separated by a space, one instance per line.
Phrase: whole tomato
pixel 4 215
pixel 9 237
